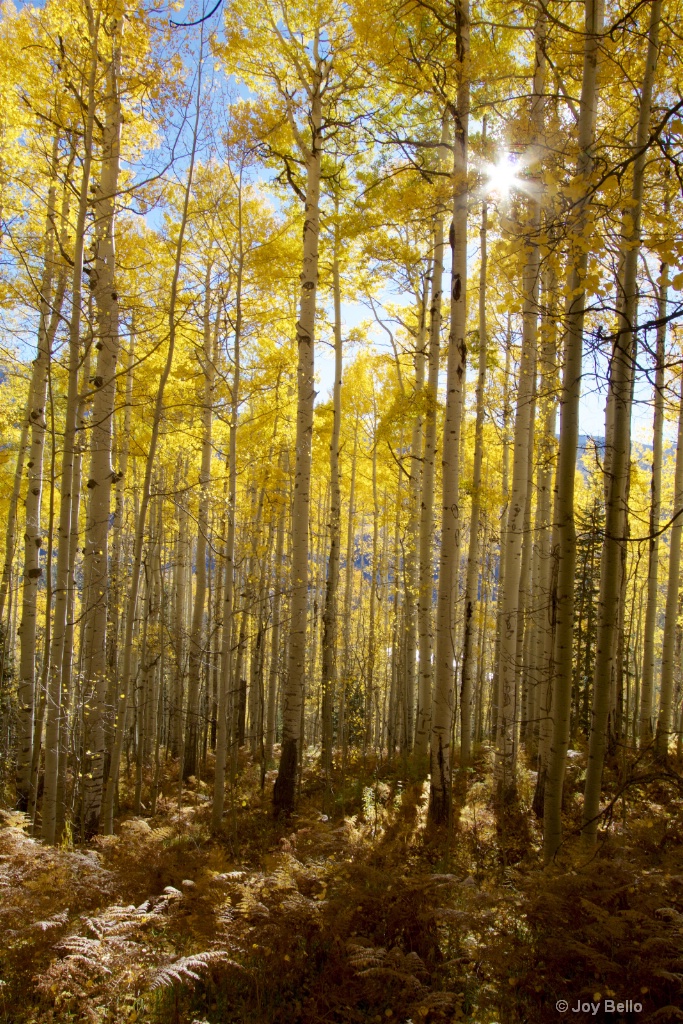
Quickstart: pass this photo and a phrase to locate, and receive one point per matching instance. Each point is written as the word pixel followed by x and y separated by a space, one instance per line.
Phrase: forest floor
pixel 365 915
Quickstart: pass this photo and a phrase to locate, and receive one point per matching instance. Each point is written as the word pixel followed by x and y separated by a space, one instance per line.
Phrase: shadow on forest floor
pixel 370 916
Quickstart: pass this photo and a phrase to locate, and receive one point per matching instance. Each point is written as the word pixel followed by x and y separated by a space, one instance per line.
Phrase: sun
pixel 501 177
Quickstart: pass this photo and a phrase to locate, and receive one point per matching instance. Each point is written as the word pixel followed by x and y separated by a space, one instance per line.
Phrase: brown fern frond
pixel 188 969
pixel 56 921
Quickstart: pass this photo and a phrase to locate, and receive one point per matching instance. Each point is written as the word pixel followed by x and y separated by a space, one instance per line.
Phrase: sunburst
pixel 502 177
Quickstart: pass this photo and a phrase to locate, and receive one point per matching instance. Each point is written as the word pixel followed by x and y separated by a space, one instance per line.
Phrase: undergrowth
pixel 366 916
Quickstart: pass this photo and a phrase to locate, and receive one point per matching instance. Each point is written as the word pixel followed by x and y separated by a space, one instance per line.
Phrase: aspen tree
pixel 224 734
pixel 208 364
pixel 522 686
pixel 648 672
pixel 509 703
pixel 468 645
pixel 117 548
pixel 399 652
pixel 309 44
pixel 329 639
pixel 665 718
pixel 283 793
pixel 41 695
pixel 443 700
pixel 11 531
pixel 570 392
pixel 126 671
pixel 505 487
pixel 277 608
pixel 51 299
pixel 101 472
pixel 542 633
pixel 412 544
pixel 370 681
pixel 348 595
pixel 621 396
pixel 80 447
pixel 426 535
pixel 182 560
pixel 59 622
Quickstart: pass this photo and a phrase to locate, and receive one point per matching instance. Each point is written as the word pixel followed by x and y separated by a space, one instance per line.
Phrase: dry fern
pixel 189 969
pixel 393 965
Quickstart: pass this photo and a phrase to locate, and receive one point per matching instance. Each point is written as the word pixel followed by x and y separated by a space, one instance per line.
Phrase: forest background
pixel 341 490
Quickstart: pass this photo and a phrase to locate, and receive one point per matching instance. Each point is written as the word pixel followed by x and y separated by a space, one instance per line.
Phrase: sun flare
pixel 501 177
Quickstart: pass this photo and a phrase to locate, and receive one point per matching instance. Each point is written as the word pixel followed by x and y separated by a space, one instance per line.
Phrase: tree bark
pixel 471 586
pixel 648 672
pixel 223 733
pixel 54 694
pixel 126 672
pixel 284 790
pixel 449 561
pixel 101 473
pixel 621 394
pixel 412 542
pixel 426 535
pixel 208 361
pixel 664 721
pixel 564 542
pixel 329 639
pixel 51 299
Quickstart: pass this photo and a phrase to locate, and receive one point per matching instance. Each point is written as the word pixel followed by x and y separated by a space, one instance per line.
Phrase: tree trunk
pixel 648 672
pixel 471 586
pixel 443 703
pixel 126 672
pixel 275 654
pixel 426 536
pixel 564 541
pixel 102 474
pixel 208 360
pixel 664 721
pixel 329 640
pixel 621 394
pixel 509 669
pixel 412 541
pixel 283 793
pixel 36 422
pixel 505 487
pixel 54 695
pixel 348 594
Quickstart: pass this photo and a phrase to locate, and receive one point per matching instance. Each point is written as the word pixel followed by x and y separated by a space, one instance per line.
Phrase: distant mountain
pixel 586 442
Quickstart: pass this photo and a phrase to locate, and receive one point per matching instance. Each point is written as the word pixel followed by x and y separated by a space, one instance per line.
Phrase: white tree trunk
pixel 126 671
pixel 329 639
pixel 283 794
pixel 208 360
pixel 223 733
pixel 648 673
pixel 621 394
pixel 51 299
pixel 469 652
pixel 426 535
pixel 449 561
pixel 54 694
pixel 564 539
pixel 102 473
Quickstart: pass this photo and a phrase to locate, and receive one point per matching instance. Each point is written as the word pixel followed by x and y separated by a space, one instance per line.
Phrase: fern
pixel 56 921
pixel 188 969
pixel 371 962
